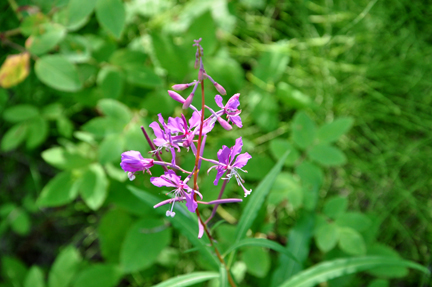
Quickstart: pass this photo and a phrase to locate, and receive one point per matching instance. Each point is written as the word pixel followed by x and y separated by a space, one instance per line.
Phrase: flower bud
pixel 176 96
pixel 132 161
pixel 224 124
pixel 220 89
pixel 188 101
pixel 180 87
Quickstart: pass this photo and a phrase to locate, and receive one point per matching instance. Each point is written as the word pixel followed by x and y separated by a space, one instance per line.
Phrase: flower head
pixel 231 109
pixel 230 160
pixel 181 192
pixel 132 161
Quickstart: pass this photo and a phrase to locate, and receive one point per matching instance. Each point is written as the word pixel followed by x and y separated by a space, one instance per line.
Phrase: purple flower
pixel 132 161
pixel 181 192
pixel 227 164
pixel 231 109
pixel 163 136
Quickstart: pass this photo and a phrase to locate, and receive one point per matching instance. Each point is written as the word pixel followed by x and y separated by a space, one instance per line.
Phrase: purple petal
pixel 195 119
pixel 208 126
pixel 233 102
pixel 161 120
pixel 200 229
pixel 236 149
pixel 159 182
pixel 237 121
pixel 175 125
pixel 132 161
pixel 242 160
pixel 226 200
pixel 157 130
pixel 218 100
pixel 169 179
pixel 223 155
pixel 220 172
pixel 224 124
pixel 191 204
pixel 188 101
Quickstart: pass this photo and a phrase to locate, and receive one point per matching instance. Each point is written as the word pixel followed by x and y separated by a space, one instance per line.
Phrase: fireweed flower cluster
pixel 180 133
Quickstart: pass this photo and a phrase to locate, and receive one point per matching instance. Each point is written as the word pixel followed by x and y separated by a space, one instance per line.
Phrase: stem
pixel 219 197
pixel 153 147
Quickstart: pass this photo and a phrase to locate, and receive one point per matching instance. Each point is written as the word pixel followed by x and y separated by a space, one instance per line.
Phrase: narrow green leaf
pixel 223 278
pixel 304 130
pixel 257 261
pixel 184 222
pixel 111 16
pixel 59 190
pixel 340 267
pixel 93 188
pixel 257 199
pixel 331 132
pixel 14 136
pixel 261 242
pixel 20 113
pixel 189 279
pixel 327 155
pixel 34 278
pixel 64 267
pixel 55 71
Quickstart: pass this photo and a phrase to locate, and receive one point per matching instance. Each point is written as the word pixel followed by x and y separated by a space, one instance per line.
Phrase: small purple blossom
pixel 132 161
pixel 231 109
pixel 181 192
pixel 227 164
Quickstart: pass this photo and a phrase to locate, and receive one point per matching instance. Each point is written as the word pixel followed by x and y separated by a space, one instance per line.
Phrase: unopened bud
pixel 188 101
pixel 180 87
pixel 176 96
pixel 220 89
pixel 224 124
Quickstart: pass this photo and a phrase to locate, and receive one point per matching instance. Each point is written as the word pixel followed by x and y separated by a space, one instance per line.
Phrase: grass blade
pixel 189 279
pixel 340 267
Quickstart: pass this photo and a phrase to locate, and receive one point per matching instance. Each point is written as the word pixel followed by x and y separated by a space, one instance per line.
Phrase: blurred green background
pixel 344 85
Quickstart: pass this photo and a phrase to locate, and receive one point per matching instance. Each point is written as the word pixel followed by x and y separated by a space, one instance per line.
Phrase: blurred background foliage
pixel 345 86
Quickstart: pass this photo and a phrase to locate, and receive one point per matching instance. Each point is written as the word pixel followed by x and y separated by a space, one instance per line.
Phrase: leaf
pixel 333 269
pixel 143 76
pixel 111 16
pixel 64 268
pixel 79 10
pixel 188 280
pixel 76 49
pixel 327 237
pixel 335 206
pixel 128 59
pixel 257 261
pixel 62 159
pixel 13 270
pixel 351 242
pixel 111 148
pixel 19 221
pixel 183 222
pixel 64 126
pixel 303 130
pixel 286 187
pixel 115 110
pixel 378 249
pixel 14 70
pixel 223 277
pixel 93 187
pixel 20 113
pixel 379 283
pixel 331 132
pixel 59 190
pixel 112 231
pixel 14 136
pixel 257 198
pixel 258 166
pixel 55 71
pixel 291 97
pixel 311 177
pixel 37 132
pixel 143 243
pixel 110 80
pixel 260 242
pixel 34 278
pixel 272 63
pixel 196 31
pixel 327 155
pixel 52 34
pixel 98 275
pixel 355 220
pixel 280 146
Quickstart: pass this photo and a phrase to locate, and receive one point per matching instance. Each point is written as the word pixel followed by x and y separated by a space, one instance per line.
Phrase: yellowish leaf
pixel 14 70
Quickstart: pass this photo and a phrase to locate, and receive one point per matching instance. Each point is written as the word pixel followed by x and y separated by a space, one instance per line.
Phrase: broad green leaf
pixel 265 113
pixel 20 113
pixel 115 172
pixel 280 146
pixel 76 49
pixel 14 70
pixel 111 148
pixel 112 231
pixel 37 132
pixel 378 249
pixel 228 72
pixel 98 275
pixel 64 268
pixel 196 31
pixel 14 136
pixel 110 80
pixel 55 71
pixel 291 97
pixel 258 166
pixel 64 126
pixel 79 10
pixel 311 177
pixel 34 278
pixel 327 237
pixel 111 16
pixel 256 200
pixel 257 261
pixel 351 242
pixel 128 59
pixel 272 63
pixel 93 187
pixel 303 130
pixel 188 280
pixel 62 159
pixel 52 111
pixel 31 24
pixel 286 187
pixel 13 270
pixel 335 206
pixel 184 222
pixel 260 242
pixel 379 283
pixel 103 126
pixel 115 110
pixel 332 269
pixel 143 243
pixel 143 76
pixel 355 220
pixel 19 221
pixel 52 34
pixel 59 190
pixel 327 155
pixel 331 132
